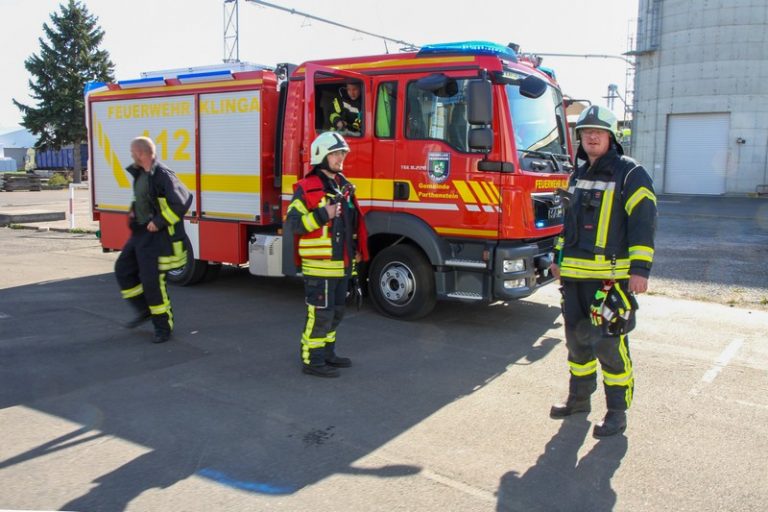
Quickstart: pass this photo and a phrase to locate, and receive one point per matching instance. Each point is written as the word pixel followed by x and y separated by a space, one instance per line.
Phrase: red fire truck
pixel 456 164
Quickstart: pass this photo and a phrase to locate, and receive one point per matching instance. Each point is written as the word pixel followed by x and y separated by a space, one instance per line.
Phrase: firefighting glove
pixel 356 124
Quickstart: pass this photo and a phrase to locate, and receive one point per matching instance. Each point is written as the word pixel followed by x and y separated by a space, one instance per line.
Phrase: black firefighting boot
pixel 141 309
pixel 615 422
pixel 580 389
pixel 317 365
pixel 331 359
pixel 162 328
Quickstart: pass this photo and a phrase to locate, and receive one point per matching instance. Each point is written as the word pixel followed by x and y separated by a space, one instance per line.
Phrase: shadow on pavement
pixel 225 400
pixel 560 481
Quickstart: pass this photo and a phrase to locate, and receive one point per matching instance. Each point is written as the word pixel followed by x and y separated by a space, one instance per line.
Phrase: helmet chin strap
pixel 324 166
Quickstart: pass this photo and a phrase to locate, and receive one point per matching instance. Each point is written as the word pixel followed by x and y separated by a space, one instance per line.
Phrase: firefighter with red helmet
pixel 331 240
pixel 603 257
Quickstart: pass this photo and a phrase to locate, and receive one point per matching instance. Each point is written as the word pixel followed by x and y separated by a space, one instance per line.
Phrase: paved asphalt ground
pixel 448 413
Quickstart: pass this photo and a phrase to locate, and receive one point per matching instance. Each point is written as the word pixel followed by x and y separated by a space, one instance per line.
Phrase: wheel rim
pixel 176 272
pixel 397 284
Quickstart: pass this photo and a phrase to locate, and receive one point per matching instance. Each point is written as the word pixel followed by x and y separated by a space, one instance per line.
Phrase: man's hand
pixel 152 227
pixel 340 125
pixel 555 270
pixel 358 257
pixel 638 284
pixel 333 210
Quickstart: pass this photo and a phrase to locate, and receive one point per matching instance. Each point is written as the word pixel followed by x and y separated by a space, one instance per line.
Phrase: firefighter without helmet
pixel 326 143
pixel 600 118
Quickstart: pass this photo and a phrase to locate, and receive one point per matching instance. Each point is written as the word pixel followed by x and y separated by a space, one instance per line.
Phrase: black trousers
pixel 140 279
pixel 587 345
pixel 326 303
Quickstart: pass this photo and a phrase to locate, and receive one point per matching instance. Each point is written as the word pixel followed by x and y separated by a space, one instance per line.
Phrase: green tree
pixel 68 60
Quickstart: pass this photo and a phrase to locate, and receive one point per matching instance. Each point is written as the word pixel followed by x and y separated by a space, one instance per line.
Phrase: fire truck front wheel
pixel 401 283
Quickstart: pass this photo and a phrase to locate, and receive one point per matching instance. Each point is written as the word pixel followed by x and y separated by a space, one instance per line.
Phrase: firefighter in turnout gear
pixel 325 218
pixel 603 257
pixel 157 242
pixel 347 110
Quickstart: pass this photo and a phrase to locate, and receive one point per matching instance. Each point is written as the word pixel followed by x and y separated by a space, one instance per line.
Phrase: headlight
pixel 513 266
pixel 514 283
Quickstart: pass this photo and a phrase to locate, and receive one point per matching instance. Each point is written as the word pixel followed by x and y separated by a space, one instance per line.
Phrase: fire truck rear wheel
pixel 401 283
pixel 191 273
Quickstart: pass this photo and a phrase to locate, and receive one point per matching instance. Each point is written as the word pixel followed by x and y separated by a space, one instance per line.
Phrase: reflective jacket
pixel 169 200
pixel 610 221
pixel 347 110
pixel 326 247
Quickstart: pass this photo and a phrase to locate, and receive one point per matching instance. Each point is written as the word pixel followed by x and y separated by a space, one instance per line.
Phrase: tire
pixel 191 273
pixel 401 283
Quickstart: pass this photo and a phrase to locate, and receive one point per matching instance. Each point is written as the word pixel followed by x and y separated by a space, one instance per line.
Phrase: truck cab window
pixel 386 105
pixel 431 115
pixel 339 107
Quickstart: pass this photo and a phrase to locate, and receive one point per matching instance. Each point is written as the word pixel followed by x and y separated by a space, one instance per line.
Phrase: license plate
pixel 555 212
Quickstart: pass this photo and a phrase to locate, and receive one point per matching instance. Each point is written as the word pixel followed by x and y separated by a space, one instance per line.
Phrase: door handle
pixel 402 190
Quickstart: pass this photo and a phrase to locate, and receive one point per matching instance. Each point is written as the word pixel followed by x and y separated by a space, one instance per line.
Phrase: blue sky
pixel 144 35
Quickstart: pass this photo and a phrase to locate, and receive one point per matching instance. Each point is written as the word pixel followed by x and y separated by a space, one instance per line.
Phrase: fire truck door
pixel 325 94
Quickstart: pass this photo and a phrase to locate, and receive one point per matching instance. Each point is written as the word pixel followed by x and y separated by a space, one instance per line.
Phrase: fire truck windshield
pixel 538 123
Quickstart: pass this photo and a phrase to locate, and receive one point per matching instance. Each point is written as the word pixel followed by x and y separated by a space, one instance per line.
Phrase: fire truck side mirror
pixel 481 139
pixel 532 87
pixel 479 102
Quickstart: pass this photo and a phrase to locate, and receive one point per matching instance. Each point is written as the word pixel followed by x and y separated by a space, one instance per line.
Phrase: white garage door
pixel 697 153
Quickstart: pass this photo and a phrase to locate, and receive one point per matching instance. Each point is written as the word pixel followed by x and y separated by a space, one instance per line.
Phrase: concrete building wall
pixel 708 56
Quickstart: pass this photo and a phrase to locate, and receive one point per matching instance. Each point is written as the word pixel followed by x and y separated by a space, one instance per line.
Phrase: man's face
pixel 353 90
pixel 336 160
pixel 595 142
pixel 140 156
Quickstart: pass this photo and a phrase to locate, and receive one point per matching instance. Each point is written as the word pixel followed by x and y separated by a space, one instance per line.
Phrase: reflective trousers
pixel 326 302
pixel 140 279
pixel 587 345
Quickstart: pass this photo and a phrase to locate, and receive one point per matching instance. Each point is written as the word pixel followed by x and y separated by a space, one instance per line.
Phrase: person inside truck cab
pixel 347 110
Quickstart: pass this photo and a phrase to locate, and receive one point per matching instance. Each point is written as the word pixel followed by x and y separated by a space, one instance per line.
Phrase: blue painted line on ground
pixel 260 487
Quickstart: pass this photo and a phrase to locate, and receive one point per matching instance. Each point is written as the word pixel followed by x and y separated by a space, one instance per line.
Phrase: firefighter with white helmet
pixel 331 240
pixel 603 257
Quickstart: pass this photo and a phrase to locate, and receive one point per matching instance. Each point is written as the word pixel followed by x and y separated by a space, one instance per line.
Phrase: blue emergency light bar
pixel 141 82
pixel 208 76
pixel 470 47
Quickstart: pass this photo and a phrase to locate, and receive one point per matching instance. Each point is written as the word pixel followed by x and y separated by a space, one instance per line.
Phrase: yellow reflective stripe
pixel 560 241
pixel 310 222
pixel 641 252
pixel 324 264
pixel 176 260
pixel 166 211
pixel 495 191
pixel 640 194
pixel 627 376
pixel 582 370
pixel 323 240
pixel 159 310
pixel 586 264
pixel 166 300
pixel 299 206
pixel 576 273
pixel 605 219
pixel 132 292
pixel 316 272
pixel 479 192
pixel 463 190
pixel 319 251
pixel 489 191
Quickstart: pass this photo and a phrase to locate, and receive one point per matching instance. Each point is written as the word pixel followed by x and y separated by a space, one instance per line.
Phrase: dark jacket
pixel 610 220
pixel 347 110
pixel 169 200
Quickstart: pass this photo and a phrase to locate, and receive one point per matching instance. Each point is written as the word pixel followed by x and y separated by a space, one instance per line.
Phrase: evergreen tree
pixel 68 60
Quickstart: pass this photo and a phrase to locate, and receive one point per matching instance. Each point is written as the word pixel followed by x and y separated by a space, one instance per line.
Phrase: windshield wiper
pixel 557 160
